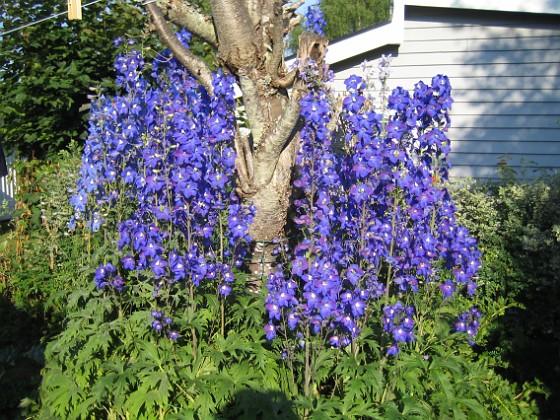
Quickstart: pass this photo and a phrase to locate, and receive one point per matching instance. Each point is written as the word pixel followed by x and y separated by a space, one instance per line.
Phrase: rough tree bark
pixel 248 37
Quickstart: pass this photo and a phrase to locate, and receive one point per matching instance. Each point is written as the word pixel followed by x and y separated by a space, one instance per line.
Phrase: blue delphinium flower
pixel 375 221
pixel 468 322
pixel 372 211
pixel 314 20
pixel 167 148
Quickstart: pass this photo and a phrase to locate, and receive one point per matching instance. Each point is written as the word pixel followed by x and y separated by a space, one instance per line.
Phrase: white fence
pixel 8 191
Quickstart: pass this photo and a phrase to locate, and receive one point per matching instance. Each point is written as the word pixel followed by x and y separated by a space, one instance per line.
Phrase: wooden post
pixel 75 9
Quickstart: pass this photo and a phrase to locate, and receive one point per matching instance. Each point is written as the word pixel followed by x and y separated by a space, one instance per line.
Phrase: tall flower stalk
pixel 376 222
pixel 165 148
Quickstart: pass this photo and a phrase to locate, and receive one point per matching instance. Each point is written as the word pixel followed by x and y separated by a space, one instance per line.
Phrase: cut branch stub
pixel 312 46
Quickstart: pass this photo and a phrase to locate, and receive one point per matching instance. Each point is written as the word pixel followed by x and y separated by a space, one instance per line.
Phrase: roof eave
pixel 518 6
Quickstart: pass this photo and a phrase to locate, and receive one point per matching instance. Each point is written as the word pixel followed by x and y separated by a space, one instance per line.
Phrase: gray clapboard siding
pixel 510 76
pixel 476 87
pixel 503 120
pixel 476 58
pixel 504 134
pixel 478 108
pixel 529 43
pixel 505 72
pixel 466 69
pixel 518 162
pixel 508 147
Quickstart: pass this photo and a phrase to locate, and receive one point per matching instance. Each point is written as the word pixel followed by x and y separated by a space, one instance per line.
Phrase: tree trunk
pixel 272 203
pixel 248 36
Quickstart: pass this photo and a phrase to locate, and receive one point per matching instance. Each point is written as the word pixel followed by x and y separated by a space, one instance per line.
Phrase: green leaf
pixel 150 351
pixel 473 406
pixel 413 407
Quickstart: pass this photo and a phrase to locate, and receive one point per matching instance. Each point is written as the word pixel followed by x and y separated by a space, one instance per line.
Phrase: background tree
pixel 47 69
pixel 344 18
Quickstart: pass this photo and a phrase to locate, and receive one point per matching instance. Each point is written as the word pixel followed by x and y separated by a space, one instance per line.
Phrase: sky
pixel 307 3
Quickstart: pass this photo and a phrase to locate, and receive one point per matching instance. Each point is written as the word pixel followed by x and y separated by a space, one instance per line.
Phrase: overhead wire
pixel 18 28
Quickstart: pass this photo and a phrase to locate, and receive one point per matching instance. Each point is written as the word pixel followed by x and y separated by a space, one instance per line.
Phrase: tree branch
pixel 290 8
pixel 192 63
pixel 292 24
pixel 244 164
pixel 291 18
pixel 276 35
pixel 286 80
pixel 314 47
pixel 239 43
pixel 190 17
pixel 252 103
pixel 269 151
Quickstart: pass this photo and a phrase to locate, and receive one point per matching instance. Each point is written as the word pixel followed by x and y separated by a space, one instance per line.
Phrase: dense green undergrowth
pixel 72 351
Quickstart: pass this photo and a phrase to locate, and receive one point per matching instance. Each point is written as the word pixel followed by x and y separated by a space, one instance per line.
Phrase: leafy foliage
pixel 113 358
pixel 517 225
pixel 108 362
pixel 36 256
pixel 344 20
pixel 47 70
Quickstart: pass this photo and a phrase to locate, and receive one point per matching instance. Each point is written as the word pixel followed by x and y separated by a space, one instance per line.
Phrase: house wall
pixel 505 73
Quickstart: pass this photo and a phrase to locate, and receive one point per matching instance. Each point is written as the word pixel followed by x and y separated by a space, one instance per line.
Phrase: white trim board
pixel 521 6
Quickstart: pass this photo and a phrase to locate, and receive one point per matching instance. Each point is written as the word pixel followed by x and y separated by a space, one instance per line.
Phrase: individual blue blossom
pixel 270 331
pixel 393 350
pixel 224 289
pixel 118 283
pixel 106 275
pixel 447 288
pixel 399 99
pixel 173 335
pixel 354 83
pixel 353 103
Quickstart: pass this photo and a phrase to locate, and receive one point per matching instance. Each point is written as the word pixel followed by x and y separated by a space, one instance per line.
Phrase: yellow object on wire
pixel 74 9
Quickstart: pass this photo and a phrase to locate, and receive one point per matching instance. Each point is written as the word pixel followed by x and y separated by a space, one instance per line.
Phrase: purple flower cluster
pixel 314 20
pixel 375 217
pixel 469 322
pixel 160 322
pixel 158 167
pixel 106 276
pixel 398 321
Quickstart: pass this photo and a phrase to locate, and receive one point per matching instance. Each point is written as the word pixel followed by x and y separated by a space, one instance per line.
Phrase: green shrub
pixel 108 363
pixel 38 260
pixel 517 224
